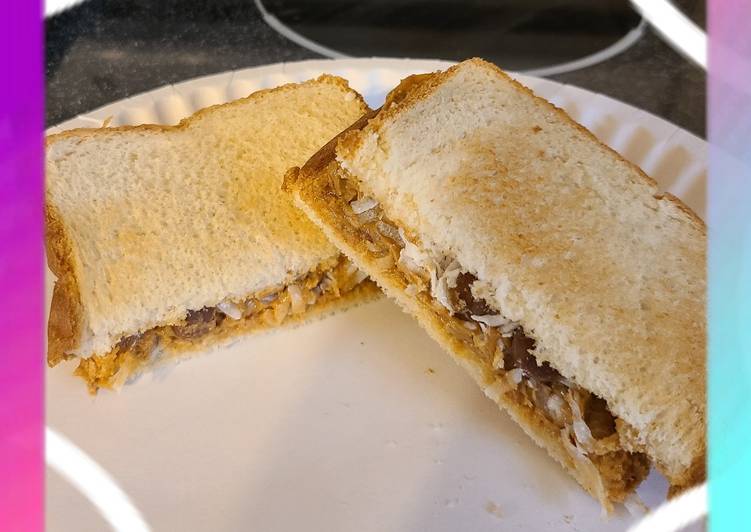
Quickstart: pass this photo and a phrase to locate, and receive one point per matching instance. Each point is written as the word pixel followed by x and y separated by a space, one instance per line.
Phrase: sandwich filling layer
pixel 269 308
pixel 599 444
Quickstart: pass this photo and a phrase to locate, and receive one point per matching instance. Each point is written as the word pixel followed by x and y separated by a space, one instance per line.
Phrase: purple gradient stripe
pixel 21 267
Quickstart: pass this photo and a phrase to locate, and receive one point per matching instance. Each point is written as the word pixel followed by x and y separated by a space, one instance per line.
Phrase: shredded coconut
pixel 269 298
pixel 412 257
pixel 514 376
pixel 367 216
pixel 230 309
pixel 587 468
pixel 388 231
pixel 363 204
pixel 296 299
pixel 441 289
pixel 493 320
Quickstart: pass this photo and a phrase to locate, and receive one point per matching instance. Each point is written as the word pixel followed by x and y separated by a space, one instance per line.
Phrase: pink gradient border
pixel 21 267
pixel 21 260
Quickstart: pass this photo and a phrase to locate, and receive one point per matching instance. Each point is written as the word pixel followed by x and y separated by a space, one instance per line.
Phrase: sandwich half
pixel 549 267
pixel 165 239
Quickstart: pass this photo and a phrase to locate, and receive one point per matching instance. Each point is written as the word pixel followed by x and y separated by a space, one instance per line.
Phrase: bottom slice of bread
pixel 610 473
pixel 329 289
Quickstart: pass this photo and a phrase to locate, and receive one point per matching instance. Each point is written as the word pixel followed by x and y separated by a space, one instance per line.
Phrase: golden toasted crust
pixel 65 321
pixel 185 123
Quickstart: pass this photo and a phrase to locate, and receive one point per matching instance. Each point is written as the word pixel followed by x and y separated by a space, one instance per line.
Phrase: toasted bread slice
pixel 547 265
pixel 164 238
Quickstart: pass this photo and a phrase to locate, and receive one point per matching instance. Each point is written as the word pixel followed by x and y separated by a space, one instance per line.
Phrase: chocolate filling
pixel 198 323
pixel 516 354
pixel 467 303
pixel 598 418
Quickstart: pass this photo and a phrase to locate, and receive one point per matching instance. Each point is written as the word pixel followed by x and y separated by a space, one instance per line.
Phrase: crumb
pixel 536 129
pixel 568 518
pixel 362 343
pixel 430 371
pixel 493 509
pixel 106 121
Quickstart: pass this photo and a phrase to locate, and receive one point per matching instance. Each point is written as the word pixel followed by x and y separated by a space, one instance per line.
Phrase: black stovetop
pixel 105 50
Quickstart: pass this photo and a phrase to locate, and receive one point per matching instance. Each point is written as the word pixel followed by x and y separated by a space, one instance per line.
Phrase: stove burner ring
pixel 614 49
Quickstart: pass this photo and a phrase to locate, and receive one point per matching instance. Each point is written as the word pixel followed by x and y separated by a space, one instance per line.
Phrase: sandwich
pixel 549 267
pixel 167 239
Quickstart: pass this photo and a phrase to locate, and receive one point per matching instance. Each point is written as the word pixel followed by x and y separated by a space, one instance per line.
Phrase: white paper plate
pixel 357 422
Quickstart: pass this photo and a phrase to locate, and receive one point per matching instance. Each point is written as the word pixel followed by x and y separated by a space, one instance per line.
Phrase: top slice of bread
pixel 145 223
pixel 576 244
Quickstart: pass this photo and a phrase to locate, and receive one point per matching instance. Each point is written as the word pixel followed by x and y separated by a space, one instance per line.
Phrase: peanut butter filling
pixel 269 308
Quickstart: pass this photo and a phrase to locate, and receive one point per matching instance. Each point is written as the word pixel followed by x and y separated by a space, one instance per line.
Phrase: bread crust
pixel 65 323
pixel 186 122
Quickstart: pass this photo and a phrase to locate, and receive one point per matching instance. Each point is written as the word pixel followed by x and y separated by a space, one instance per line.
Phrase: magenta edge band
pixel 21 267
